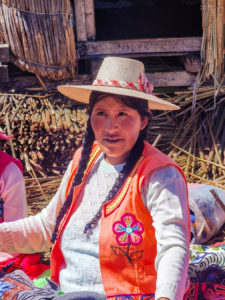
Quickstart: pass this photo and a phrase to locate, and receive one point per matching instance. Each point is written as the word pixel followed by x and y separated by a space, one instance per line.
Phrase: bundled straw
pixel 212 50
pixel 46 129
pixel 40 35
pixel 195 140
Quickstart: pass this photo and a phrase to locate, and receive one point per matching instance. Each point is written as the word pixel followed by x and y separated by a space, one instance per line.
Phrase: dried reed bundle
pixel 40 35
pixel 212 39
pixel 46 129
pixel 40 6
pixel 195 139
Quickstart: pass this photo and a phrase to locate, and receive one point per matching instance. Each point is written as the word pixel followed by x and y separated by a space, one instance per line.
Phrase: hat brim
pixel 82 94
pixel 4 136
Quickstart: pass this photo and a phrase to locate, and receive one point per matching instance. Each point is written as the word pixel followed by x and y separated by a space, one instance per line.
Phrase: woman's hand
pixel 163 298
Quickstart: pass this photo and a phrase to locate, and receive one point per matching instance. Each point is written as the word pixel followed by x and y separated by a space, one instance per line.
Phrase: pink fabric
pixel 15 202
pixel 6 159
pixel 4 136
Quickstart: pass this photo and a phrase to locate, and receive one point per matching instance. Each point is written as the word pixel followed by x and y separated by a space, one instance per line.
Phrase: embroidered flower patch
pixel 128 230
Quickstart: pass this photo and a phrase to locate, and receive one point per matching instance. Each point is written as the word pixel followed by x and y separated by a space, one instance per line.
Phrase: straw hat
pixel 3 136
pixel 120 76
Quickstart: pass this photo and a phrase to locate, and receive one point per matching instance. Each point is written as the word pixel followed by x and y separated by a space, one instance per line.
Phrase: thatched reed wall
pixel 40 35
pixel 212 50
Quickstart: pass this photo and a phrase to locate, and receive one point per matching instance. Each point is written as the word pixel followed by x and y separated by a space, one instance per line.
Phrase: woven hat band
pixel 143 85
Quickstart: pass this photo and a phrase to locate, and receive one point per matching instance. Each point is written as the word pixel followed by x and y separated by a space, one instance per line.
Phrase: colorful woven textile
pixel 206 272
pixel 17 285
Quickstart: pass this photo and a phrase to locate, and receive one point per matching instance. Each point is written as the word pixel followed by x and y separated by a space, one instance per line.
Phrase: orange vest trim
pixel 96 152
pixel 127 243
pixel 115 202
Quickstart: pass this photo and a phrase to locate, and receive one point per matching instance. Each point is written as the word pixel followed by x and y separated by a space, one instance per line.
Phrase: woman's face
pixel 116 128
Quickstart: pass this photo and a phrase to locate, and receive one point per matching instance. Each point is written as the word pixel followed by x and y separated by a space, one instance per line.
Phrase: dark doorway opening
pixel 137 19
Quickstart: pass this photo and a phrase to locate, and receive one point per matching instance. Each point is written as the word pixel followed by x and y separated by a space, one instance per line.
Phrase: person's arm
pixel 33 234
pixel 166 199
pixel 13 193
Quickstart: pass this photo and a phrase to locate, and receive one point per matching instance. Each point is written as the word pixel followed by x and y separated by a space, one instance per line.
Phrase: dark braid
pixel 131 161
pixel 85 155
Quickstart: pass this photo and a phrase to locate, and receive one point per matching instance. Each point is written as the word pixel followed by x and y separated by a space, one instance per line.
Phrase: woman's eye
pixel 101 113
pixel 122 114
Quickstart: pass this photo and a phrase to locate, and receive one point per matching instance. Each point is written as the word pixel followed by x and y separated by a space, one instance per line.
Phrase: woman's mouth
pixel 112 141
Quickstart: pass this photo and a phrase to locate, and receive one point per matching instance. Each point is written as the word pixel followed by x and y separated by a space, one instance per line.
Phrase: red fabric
pixel 6 159
pixel 29 263
pixel 217 244
pixel 205 291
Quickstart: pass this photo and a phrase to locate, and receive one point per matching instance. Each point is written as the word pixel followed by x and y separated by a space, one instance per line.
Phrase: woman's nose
pixel 111 123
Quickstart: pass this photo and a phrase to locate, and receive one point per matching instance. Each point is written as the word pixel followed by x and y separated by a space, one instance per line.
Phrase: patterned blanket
pixel 206 273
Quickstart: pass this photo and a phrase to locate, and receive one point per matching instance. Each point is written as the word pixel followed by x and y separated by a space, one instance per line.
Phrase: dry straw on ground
pixel 195 138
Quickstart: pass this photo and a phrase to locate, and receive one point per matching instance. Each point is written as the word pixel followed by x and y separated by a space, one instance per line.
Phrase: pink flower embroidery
pixel 128 230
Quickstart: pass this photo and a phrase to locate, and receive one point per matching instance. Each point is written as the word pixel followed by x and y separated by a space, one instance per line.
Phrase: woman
pixel 119 220
pixel 13 205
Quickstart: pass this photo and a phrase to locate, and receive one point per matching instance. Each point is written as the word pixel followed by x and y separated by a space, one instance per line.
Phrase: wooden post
pixel 79 7
pixel 90 19
pixel 4 77
pixel 224 26
pixel 4 57
pixel 4 53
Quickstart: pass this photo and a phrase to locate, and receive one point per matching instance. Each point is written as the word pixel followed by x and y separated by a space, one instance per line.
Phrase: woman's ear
pixel 144 122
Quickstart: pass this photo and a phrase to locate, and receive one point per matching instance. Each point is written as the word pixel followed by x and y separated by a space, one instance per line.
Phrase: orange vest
pixel 127 244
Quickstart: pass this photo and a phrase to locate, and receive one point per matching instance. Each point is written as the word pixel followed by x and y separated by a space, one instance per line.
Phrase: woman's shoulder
pixel 151 151
pixel 12 171
pixel 154 158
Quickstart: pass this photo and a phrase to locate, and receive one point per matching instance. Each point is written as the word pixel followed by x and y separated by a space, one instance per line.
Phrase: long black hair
pixel 142 108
